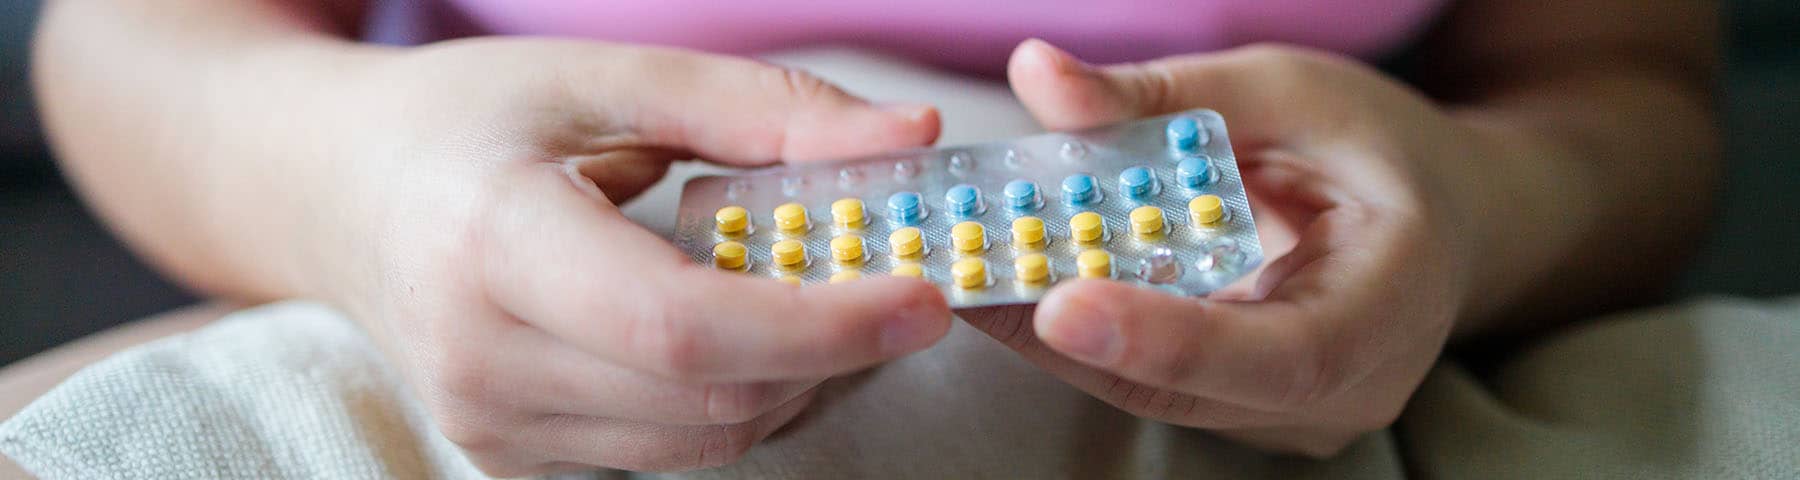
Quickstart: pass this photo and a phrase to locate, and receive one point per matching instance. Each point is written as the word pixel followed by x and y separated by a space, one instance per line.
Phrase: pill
pixel 964 200
pixel 1086 227
pixel 732 220
pixel 968 237
pixel 1032 267
pixel 845 276
pixel 1081 189
pixel 847 213
pixel 909 270
pixel 969 273
pixel 1194 172
pixel 791 217
pixel 906 208
pixel 847 249
pixel 1022 195
pixel 788 253
pixel 1137 182
pixel 1028 233
pixel 907 242
pixel 1206 209
pixel 1146 220
pixel 1184 134
pixel 789 279
pixel 1094 264
pixel 730 255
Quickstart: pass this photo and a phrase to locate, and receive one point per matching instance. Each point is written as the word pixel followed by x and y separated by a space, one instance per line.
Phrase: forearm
pixel 1611 153
pixel 191 125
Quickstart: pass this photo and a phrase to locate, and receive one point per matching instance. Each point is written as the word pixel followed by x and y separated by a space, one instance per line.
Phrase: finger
pixel 624 173
pixel 1012 326
pixel 746 112
pixel 1322 316
pixel 575 266
pixel 644 447
pixel 1064 93
pixel 566 380
pixel 1209 349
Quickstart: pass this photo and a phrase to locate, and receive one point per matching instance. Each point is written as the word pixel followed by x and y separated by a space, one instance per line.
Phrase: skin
pixel 1566 178
pixel 459 200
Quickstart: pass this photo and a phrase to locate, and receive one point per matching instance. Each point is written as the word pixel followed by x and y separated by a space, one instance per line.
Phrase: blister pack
pixel 1156 202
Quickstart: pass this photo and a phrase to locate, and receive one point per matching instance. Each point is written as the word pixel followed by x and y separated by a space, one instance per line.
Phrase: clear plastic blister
pixel 828 222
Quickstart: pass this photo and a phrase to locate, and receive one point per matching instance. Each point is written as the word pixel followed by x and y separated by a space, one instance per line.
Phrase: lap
pixel 1689 391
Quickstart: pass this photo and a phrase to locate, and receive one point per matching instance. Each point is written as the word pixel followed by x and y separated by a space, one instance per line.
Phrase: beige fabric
pixel 1706 390
pixel 294 390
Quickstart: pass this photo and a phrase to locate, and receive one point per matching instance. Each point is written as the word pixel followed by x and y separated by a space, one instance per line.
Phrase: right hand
pixel 482 245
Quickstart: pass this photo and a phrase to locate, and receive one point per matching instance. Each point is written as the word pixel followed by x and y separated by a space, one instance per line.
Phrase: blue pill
pixel 1021 195
pixel 963 199
pixel 1183 133
pixel 1194 172
pixel 1137 182
pixel 1081 189
pixel 906 207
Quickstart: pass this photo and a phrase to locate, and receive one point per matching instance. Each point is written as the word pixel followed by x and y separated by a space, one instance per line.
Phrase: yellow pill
pixel 1094 264
pixel 969 273
pixel 1032 267
pixel 730 255
pixel 968 237
pixel 1086 227
pixel 847 213
pixel 1206 209
pixel 847 249
pixel 1146 220
pixel 909 270
pixel 907 242
pixel 789 279
pixel 845 276
pixel 732 220
pixel 791 217
pixel 1028 233
pixel 788 253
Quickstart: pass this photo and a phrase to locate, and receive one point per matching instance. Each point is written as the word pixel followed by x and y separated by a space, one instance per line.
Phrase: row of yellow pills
pixel 791 217
pixel 968 272
pixel 907 243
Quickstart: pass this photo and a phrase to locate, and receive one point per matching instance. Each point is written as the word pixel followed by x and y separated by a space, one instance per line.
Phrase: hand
pixel 1346 170
pixel 545 331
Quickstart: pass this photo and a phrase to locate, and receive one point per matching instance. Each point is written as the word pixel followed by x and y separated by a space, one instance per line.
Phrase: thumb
pixel 1065 93
pixel 744 112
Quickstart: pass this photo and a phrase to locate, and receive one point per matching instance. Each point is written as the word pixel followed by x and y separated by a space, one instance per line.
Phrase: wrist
pixel 296 207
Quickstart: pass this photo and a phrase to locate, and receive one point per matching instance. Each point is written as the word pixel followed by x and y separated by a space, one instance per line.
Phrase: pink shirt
pixel 972 35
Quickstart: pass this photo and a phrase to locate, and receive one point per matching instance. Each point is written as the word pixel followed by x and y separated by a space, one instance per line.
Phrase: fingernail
pixel 912 112
pixel 912 329
pixel 1060 59
pixel 1087 333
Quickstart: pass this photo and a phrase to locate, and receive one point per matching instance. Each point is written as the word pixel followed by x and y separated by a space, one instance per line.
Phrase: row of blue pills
pixel 1021 195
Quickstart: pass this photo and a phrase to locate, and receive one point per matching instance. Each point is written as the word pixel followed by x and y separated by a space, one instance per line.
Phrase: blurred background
pixel 62 274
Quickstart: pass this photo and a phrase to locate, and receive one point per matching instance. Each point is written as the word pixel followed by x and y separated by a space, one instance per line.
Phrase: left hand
pixel 1357 181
